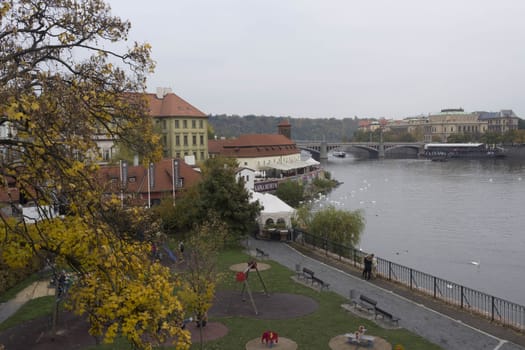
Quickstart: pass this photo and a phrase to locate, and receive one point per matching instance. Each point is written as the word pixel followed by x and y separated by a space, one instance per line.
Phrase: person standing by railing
pixel 374 266
pixel 367 271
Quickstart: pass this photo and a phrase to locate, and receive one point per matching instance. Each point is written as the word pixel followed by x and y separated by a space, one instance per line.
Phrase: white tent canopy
pixel 294 165
pixel 274 208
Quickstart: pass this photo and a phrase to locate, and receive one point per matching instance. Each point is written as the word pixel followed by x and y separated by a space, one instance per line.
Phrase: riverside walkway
pixel 440 324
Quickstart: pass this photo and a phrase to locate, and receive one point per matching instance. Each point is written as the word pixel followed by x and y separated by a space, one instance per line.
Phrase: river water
pixel 459 220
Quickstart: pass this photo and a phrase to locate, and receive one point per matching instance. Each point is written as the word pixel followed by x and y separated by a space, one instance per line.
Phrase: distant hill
pixel 332 130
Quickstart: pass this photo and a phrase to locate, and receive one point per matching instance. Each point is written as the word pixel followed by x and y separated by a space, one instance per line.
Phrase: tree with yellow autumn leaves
pixel 64 81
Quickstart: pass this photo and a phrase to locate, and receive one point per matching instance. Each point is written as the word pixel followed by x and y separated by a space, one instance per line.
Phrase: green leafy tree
pixel 221 193
pixel 491 138
pixel 178 219
pixel 291 192
pixel 341 226
pixel 200 277
pixel 218 193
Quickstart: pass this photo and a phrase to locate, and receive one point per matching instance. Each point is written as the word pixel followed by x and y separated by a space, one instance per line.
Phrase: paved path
pixel 35 290
pixel 435 326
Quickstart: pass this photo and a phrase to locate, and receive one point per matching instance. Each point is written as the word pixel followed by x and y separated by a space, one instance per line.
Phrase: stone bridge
pixel 320 149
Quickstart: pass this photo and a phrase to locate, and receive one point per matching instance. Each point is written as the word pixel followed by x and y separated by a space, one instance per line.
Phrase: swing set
pixel 242 277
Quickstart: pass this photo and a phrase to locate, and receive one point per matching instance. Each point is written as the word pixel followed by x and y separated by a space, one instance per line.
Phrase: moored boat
pixel 445 151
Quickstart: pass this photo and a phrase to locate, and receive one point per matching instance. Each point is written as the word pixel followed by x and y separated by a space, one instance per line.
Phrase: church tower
pixel 285 128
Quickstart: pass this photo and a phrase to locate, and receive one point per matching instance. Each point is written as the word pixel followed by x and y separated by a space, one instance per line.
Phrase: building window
pixel 194 139
pixel 202 139
pixel 245 163
pixel 202 155
pixel 176 124
pixel 201 124
pixel 193 124
pixel 184 124
pixel 177 155
pixel 185 140
pixel 177 140
pixel 106 154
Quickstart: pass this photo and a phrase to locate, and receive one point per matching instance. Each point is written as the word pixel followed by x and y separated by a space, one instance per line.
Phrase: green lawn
pixel 311 332
pixel 32 309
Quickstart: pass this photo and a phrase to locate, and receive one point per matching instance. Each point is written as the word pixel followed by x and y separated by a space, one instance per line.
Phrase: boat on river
pixel 339 154
pixel 445 151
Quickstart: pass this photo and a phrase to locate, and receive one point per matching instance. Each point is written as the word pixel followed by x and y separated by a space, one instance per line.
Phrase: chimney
pixel 162 91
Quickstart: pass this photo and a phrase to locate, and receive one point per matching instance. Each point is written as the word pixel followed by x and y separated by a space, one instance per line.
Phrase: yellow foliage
pixel 119 287
pixel 57 104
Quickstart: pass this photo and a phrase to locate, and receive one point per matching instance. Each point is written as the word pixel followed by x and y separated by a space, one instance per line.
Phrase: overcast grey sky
pixel 335 58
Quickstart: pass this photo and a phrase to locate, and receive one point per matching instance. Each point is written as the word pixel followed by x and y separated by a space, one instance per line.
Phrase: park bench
pixel 308 274
pixel 365 302
pixel 322 284
pixel 261 253
pixel 386 315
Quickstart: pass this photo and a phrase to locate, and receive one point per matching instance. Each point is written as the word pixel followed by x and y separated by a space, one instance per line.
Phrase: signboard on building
pixel 265 186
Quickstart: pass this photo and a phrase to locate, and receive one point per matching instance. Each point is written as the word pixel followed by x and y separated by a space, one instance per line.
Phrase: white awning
pixel 294 165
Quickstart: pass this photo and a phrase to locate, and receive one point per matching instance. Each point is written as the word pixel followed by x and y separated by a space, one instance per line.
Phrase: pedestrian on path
pixel 367 271
pixel 374 266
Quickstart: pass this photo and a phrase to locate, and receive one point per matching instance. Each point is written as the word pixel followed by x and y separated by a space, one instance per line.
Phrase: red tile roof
pixel 137 181
pixel 253 145
pixel 171 105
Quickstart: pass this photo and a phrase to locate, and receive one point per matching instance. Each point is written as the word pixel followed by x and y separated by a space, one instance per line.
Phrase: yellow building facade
pixel 183 128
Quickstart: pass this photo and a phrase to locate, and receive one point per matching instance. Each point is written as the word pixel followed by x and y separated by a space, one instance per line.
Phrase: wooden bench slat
pixel 307 273
pixel 365 302
pixel 322 284
pixel 385 314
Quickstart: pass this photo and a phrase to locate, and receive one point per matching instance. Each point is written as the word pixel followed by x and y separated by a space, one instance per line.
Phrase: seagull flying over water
pixel 475 263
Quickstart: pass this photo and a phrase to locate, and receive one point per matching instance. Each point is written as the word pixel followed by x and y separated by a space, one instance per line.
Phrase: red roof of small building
pixel 137 179
pixel 253 145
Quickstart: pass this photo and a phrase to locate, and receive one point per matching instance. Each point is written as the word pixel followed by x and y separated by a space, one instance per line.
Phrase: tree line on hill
pixel 329 129
pixel 342 130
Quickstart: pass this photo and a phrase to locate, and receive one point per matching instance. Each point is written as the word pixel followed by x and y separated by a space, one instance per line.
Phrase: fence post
pixel 493 307
pixel 390 271
pixel 410 278
pixel 435 287
pixel 462 297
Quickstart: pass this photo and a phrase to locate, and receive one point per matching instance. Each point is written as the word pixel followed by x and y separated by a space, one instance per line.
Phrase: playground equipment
pixel 269 338
pixel 243 278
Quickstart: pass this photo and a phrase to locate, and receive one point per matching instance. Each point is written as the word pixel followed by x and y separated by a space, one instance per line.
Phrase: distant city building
pixel 500 122
pixel 371 125
pixel 438 127
pixel 441 125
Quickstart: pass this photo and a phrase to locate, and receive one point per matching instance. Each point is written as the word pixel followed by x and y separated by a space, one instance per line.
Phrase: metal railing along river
pixel 496 309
